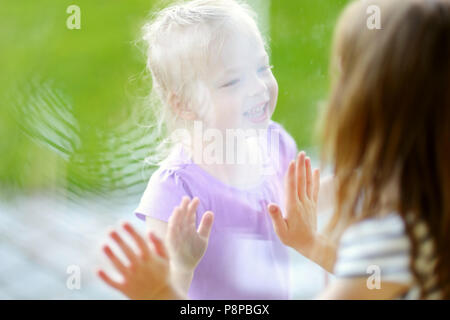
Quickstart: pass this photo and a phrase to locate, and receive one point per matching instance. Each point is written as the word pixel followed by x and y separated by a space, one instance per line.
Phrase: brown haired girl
pixel 387 132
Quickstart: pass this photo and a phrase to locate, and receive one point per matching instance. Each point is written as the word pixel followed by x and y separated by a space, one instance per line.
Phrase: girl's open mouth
pixel 257 114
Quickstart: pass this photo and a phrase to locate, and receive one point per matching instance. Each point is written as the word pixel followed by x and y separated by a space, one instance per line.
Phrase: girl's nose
pixel 257 86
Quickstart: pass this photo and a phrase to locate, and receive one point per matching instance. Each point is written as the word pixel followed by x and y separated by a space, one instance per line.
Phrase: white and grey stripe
pixel 383 242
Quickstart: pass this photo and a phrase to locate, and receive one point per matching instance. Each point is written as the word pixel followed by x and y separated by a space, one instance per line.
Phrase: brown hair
pixel 387 123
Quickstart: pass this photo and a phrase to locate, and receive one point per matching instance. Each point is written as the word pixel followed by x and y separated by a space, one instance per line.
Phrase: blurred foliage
pixel 301 34
pixel 70 97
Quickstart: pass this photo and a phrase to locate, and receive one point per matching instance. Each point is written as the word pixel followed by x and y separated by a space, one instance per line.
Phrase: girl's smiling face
pixel 243 89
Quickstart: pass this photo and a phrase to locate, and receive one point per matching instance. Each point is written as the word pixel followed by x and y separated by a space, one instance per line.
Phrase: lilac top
pixel 245 259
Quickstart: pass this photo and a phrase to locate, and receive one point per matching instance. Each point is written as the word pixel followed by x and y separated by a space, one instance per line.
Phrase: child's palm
pixel 186 244
pixel 299 227
pixel 304 226
pixel 147 274
pixel 149 279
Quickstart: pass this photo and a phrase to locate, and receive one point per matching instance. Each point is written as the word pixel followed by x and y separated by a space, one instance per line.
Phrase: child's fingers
pixel 116 285
pixel 309 182
pixel 175 219
pixel 142 245
pixel 173 224
pixel 158 245
pixel 301 176
pixel 204 229
pixel 184 204
pixel 290 185
pixel 316 182
pixel 115 261
pixel 192 209
pixel 122 245
pixel 279 223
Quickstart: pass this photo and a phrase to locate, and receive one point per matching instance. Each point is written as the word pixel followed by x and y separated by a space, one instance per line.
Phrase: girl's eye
pixel 231 83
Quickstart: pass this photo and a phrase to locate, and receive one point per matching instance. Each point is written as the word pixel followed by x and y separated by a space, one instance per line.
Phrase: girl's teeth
pixel 256 111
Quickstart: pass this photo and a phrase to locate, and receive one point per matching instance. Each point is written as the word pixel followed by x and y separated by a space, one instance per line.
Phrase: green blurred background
pixel 69 96
pixel 72 127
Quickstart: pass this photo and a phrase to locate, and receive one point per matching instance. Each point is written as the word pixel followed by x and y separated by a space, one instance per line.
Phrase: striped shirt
pixel 382 245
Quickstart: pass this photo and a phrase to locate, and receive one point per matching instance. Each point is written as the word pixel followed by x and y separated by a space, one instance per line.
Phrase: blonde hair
pixel 180 41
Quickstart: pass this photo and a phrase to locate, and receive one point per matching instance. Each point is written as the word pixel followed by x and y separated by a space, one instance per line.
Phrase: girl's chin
pixel 258 126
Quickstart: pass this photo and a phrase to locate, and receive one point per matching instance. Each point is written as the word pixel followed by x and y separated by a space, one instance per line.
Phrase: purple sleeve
pixel 163 193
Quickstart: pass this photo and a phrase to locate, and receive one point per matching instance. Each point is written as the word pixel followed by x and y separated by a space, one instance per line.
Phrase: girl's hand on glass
pixel 147 274
pixel 299 229
pixel 186 244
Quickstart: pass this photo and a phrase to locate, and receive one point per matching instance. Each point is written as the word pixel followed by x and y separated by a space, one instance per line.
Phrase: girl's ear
pixel 179 109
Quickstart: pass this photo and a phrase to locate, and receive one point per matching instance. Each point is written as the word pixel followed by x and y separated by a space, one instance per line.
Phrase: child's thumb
pixel 279 224
pixel 273 209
